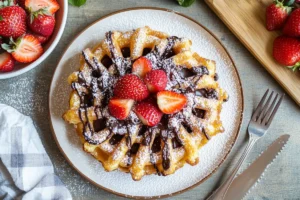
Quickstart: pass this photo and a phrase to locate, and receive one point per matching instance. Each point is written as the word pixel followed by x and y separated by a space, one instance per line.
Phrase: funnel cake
pixel 128 145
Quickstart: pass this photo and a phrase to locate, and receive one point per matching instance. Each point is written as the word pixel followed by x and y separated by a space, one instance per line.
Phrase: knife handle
pixel 220 193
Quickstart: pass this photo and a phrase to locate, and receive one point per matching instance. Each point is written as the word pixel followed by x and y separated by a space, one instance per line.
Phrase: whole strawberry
pixel 12 21
pixel 131 86
pixel 276 15
pixel 292 26
pixel 156 80
pixel 148 113
pixel 42 23
pixel 286 51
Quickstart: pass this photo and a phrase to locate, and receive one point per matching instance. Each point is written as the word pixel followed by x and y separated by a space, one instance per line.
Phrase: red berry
pixel 42 39
pixel 156 80
pixel 292 26
pixel 41 23
pixel 6 62
pixel 120 108
pixel 286 50
pixel 34 5
pixel 12 21
pixel 148 113
pixel 276 15
pixel 141 67
pixel 131 86
pixel 26 49
pixel 170 102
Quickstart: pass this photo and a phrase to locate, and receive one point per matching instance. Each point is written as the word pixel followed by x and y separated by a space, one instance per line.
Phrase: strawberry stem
pixel 295 67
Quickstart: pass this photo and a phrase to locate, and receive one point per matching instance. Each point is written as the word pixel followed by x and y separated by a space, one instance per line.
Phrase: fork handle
pixel 220 193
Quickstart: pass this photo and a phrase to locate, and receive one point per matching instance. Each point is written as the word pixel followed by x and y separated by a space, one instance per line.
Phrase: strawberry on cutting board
pixel 148 113
pixel 41 23
pixel 25 49
pixel 12 21
pixel 49 5
pixel 120 108
pixel 286 51
pixel 170 102
pixel 276 15
pixel 292 26
pixel 131 86
pixel 6 62
pixel 141 67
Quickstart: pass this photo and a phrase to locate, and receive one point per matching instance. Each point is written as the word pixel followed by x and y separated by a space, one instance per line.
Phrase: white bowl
pixel 61 18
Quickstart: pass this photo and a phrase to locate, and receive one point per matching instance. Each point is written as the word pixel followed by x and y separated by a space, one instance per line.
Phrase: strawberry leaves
pixel 185 3
pixel 77 3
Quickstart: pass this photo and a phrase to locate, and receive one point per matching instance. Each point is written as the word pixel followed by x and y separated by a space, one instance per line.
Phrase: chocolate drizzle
pixel 180 79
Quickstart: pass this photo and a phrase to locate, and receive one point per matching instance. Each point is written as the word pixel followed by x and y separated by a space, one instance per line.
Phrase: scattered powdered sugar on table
pixel 34 101
pixel 211 155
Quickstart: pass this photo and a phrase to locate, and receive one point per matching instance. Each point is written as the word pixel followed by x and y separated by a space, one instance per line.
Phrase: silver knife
pixel 243 182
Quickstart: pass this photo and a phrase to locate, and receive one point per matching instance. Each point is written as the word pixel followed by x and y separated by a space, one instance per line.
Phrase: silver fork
pixel 258 126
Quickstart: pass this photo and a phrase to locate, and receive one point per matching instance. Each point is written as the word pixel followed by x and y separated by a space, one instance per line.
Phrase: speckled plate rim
pixel 180 191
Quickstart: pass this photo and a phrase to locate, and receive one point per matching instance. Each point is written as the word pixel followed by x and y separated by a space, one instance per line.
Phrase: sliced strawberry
pixel 131 86
pixel 34 5
pixel 170 102
pixel 6 62
pixel 148 113
pixel 141 67
pixel 156 80
pixel 12 21
pixel 120 108
pixel 26 49
pixel 41 23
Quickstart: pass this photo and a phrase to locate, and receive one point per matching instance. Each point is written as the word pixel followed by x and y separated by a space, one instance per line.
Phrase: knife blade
pixel 244 182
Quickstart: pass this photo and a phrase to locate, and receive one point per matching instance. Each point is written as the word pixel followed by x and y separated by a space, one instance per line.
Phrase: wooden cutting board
pixel 246 19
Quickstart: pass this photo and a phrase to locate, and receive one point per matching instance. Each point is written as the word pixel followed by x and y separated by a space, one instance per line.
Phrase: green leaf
pixel 288 2
pixel 185 3
pixel 77 3
pixel 1 18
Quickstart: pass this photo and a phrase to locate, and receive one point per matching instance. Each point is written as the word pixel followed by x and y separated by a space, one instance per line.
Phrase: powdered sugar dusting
pixel 211 154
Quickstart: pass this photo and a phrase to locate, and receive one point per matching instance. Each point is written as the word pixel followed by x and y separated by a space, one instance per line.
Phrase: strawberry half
pixel 12 21
pixel 120 108
pixel 170 102
pixel 41 23
pixel 7 63
pixel 292 26
pixel 156 80
pixel 148 113
pixel 286 51
pixel 26 49
pixel 131 86
pixel 34 5
pixel 276 15
pixel 141 67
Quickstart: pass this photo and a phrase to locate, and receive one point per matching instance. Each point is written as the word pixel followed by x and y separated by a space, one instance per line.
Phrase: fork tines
pixel 266 111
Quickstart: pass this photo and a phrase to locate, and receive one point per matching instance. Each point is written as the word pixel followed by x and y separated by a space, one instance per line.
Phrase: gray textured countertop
pixel 29 94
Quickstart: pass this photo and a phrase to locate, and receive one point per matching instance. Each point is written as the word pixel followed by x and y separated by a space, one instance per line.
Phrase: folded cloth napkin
pixel 26 171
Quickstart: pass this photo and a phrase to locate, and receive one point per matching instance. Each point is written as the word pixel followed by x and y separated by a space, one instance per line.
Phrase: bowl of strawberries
pixel 29 31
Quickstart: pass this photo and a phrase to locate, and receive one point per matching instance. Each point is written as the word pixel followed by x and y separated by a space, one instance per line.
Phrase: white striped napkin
pixel 26 172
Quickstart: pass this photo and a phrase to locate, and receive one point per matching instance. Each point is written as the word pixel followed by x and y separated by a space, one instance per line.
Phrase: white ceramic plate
pixel 61 18
pixel 211 155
